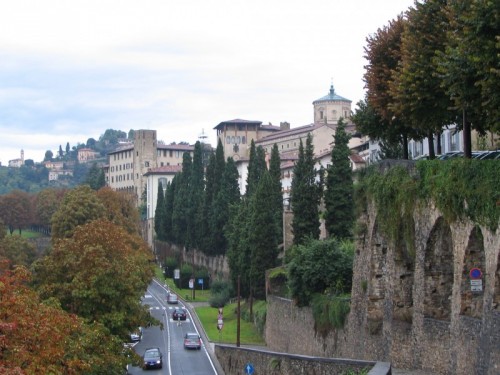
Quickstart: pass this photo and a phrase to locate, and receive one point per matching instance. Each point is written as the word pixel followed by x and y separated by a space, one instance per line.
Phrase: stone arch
pixel 496 293
pixel 376 285
pixel 404 262
pixel 438 272
pixel 472 302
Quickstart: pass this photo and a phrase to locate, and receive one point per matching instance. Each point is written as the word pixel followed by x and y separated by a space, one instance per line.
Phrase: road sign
pixel 200 281
pixel 177 273
pixel 191 283
pixel 220 324
pixel 476 285
pixel 475 273
pixel 249 369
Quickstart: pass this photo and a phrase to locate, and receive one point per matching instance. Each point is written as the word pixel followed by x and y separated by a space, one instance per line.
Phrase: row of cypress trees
pixel 204 210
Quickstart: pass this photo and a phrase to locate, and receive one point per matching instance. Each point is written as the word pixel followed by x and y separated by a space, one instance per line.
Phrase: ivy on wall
pixel 459 188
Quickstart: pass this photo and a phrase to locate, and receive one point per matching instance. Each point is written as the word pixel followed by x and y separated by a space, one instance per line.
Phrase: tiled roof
pixel 285 133
pixel 164 170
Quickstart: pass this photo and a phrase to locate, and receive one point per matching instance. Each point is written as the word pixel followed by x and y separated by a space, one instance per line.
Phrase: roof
pixel 183 147
pixel 294 131
pixel 257 124
pixel 331 97
pixel 166 169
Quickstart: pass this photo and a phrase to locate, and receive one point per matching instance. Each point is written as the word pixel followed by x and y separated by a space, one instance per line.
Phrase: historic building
pixel 128 165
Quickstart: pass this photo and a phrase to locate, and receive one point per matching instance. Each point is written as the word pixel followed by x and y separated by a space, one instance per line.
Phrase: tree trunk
pixel 430 138
pixel 439 150
pixel 405 147
pixel 467 136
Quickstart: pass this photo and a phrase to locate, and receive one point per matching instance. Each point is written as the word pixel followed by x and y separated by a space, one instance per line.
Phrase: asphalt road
pixel 176 359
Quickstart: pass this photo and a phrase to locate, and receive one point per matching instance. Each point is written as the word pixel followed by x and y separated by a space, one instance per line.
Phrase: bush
pixel 170 265
pixel 320 266
pixel 222 292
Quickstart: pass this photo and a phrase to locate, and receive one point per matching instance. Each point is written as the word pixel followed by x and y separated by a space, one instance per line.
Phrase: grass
pixel 248 333
pixel 25 233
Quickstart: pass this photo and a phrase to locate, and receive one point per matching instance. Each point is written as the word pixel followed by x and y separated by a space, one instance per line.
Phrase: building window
pixel 321 115
pixel 243 139
pixel 146 164
pixel 228 140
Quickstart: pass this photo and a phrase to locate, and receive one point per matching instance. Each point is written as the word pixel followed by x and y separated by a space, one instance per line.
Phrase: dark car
pixel 192 341
pixel 179 314
pixel 152 358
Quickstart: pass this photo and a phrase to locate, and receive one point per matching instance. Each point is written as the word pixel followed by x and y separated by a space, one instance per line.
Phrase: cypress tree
pixel 160 214
pixel 263 235
pixel 276 199
pixel 195 199
pixel 339 205
pixel 305 195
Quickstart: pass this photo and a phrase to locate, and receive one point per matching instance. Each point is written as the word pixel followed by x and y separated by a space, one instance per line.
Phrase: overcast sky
pixel 70 69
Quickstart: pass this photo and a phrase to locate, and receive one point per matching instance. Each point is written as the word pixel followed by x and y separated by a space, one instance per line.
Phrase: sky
pixel 69 70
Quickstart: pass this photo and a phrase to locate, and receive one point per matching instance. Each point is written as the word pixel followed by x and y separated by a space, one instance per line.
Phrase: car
pixel 152 358
pixel 172 298
pixel 136 335
pixel 192 341
pixel 179 314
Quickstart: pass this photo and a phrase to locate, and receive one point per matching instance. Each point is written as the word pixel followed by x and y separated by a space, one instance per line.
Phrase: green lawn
pixel 248 333
pixel 208 317
pixel 25 233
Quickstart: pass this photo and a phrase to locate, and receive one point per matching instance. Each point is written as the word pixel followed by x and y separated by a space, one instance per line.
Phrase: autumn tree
pixel 120 209
pixel 16 210
pixel 383 53
pixel 18 250
pixel 99 274
pixel 46 204
pixel 79 206
pixel 41 338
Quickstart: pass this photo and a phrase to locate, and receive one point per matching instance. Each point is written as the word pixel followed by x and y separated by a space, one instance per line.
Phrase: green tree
pixel 99 273
pixel 195 199
pixel 264 239
pixel 415 85
pixel 160 214
pixel 276 198
pixel 320 266
pixel 180 208
pixel 67 148
pixel 169 208
pixel 228 195
pixel 239 250
pixel 79 206
pixel 338 196
pixel 305 195
pixel 48 155
pixel 469 66
pixel 95 177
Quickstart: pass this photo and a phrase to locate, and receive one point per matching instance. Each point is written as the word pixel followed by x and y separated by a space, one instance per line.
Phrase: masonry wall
pixel 234 361
pixel 417 313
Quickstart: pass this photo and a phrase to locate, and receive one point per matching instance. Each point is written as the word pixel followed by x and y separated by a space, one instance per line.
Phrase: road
pixel 176 359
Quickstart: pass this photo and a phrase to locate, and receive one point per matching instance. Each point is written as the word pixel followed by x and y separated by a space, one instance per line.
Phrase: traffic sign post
pixel 249 369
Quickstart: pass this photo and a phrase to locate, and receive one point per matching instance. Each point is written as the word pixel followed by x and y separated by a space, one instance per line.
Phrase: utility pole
pixel 238 315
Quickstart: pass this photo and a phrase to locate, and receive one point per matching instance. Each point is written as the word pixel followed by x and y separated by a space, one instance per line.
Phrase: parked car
pixel 179 314
pixel 152 358
pixel 192 341
pixel 136 335
pixel 172 298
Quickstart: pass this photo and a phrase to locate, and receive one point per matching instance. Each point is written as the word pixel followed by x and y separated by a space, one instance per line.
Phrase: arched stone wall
pixel 438 272
pixel 472 301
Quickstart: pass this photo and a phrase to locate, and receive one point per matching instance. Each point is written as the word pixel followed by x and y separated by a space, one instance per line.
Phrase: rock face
pixel 414 304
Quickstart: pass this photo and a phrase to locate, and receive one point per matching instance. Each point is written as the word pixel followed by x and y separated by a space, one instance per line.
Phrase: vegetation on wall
pixel 460 189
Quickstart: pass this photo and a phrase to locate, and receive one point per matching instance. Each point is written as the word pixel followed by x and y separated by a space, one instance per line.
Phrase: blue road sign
pixel 249 369
pixel 475 273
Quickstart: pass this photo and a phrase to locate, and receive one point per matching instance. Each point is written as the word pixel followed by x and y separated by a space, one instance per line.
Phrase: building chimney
pixel 284 125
